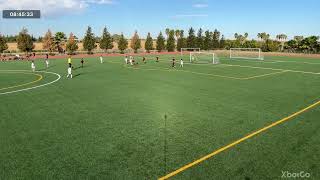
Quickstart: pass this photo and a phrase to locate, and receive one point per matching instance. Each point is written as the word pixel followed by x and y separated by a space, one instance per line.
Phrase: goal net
pixel 203 58
pixel 246 53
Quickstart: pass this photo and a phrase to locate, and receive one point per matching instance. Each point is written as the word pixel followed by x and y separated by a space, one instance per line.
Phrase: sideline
pixel 187 166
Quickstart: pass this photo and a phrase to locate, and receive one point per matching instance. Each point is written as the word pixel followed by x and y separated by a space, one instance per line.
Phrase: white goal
pixel 246 53
pixel 203 58
pixel 187 50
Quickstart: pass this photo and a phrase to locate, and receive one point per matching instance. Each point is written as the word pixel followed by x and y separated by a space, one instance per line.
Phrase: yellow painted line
pixel 10 87
pixel 263 75
pixel 187 166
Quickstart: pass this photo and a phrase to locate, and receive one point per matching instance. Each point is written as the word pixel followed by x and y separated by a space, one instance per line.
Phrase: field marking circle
pixel 32 82
pixel 34 87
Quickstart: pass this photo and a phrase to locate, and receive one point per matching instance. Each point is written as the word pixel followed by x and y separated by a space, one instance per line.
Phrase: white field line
pixel 26 89
pixel 275 69
pixel 276 61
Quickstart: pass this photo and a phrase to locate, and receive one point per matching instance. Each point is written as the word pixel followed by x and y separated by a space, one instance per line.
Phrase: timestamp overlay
pixel 21 14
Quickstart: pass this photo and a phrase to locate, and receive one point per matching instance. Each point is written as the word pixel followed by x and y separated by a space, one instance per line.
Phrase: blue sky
pixel 292 17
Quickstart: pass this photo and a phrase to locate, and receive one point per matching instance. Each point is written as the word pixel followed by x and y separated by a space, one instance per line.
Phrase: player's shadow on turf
pixel 80 67
pixel 43 69
pixel 76 75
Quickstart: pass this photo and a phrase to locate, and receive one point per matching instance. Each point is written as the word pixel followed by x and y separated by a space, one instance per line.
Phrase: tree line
pixel 173 40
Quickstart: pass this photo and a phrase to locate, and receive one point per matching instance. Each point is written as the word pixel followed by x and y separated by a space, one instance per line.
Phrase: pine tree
pixel 181 43
pixel 122 43
pixel 106 41
pixel 171 41
pixel 222 42
pixel 59 41
pixel 89 41
pixel 160 42
pixel 24 41
pixel 149 43
pixel 47 42
pixel 207 40
pixel 72 45
pixel 135 42
pixel 200 39
pixel 191 40
pixel 216 39
pixel 3 44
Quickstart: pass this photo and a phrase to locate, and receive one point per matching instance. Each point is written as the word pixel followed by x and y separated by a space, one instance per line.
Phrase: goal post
pixel 186 50
pixel 245 53
pixel 203 58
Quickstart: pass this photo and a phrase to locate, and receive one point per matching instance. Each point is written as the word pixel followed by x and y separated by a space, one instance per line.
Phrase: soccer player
pixel 181 62
pixel 157 59
pixel 144 60
pixel 69 72
pixel 101 59
pixel 47 61
pixel 33 67
pixel 69 61
pixel 126 60
pixel 173 62
pixel 131 60
pixel 82 61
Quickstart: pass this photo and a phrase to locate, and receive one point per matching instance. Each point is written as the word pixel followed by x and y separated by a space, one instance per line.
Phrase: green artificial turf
pixel 114 121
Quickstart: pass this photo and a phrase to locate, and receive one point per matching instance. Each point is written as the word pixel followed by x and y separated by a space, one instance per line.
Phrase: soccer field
pixel 240 119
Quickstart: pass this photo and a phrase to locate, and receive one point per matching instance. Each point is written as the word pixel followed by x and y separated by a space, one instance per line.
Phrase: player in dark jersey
pixel 144 60
pixel 157 59
pixel 47 60
pixel 82 61
pixel 173 62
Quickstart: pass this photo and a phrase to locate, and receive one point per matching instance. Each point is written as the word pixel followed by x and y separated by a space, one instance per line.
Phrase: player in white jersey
pixel 101 59
pixel 33 67
pixel 181 62
pixel 131 60
pixel 69 72
pixel 126 59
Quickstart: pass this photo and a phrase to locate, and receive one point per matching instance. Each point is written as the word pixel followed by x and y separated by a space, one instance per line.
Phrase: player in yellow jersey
pixel 70 61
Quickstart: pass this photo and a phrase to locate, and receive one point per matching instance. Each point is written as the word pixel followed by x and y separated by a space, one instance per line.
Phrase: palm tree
pixel 259 36
pixel 246 35
pixel 263 36
pixel 266 36
pixel 236 35
pixel 282 38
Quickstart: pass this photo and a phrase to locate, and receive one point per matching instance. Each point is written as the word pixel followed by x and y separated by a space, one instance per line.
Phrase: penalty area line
pixel 187 166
